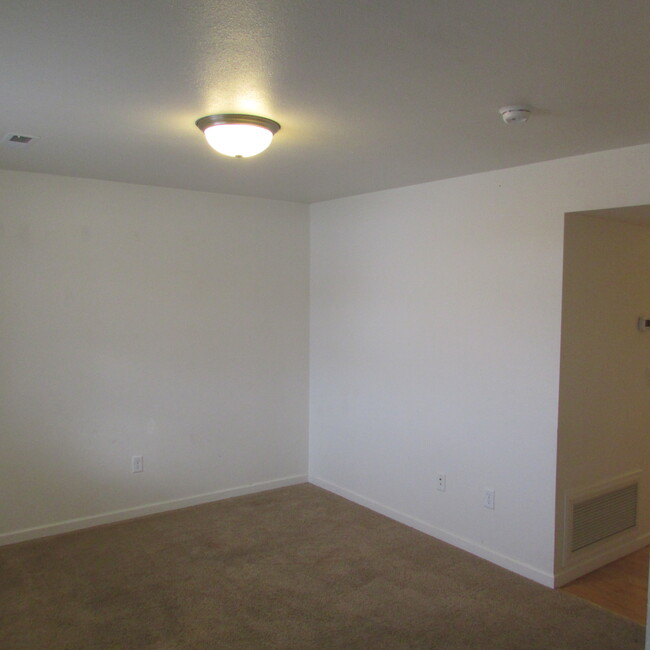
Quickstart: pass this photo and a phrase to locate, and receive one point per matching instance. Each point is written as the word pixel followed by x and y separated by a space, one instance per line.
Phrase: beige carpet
pixel 291 568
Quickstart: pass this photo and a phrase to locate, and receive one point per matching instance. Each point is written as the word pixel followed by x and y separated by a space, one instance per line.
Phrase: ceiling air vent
pixel 16 140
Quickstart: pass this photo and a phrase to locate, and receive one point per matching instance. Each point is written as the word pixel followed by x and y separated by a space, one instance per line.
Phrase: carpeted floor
pixel 296 568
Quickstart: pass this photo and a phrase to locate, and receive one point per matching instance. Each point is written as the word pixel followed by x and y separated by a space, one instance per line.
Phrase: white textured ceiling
pixel 371 94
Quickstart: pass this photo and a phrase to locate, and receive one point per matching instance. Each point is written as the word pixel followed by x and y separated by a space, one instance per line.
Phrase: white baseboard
pixel 563 577
pixel 546 579
pixel 600 559
pixel 147 509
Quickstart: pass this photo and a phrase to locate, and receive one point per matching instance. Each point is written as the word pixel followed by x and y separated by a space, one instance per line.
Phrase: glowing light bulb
pixel 238 136
pixel 238 140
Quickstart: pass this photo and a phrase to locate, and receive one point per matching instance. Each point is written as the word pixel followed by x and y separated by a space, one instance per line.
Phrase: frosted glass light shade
pixel 239 136
pixel 238 140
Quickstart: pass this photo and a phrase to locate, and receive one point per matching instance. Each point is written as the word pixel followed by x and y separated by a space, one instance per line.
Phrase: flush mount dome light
pixel 239 136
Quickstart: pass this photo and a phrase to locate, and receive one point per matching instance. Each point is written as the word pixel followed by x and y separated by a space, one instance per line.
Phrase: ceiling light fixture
pixel 515 114
pixel 239 136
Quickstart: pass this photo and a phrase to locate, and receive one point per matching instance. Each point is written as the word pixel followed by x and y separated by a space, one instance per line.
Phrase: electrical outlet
pixel 488 499
pixel 137 464
pixel 441 482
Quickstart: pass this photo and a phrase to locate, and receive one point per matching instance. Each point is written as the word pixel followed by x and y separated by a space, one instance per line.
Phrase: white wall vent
pixel 599 517
pixel 16 140
pixel 600 513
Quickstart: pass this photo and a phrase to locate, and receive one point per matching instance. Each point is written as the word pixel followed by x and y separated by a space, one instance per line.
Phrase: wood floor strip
pixel 621 587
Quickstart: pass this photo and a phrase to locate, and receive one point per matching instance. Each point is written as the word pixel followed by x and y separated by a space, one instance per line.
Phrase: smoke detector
pixel 515 114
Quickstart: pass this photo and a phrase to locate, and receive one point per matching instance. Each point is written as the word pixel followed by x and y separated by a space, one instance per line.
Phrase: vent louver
pixel 15 140
pixel 600 517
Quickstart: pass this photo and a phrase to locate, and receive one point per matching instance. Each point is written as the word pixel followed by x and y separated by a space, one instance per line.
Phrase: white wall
pixel 174 324
pixel 435 347
pixel 604 408
pixel 142 320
